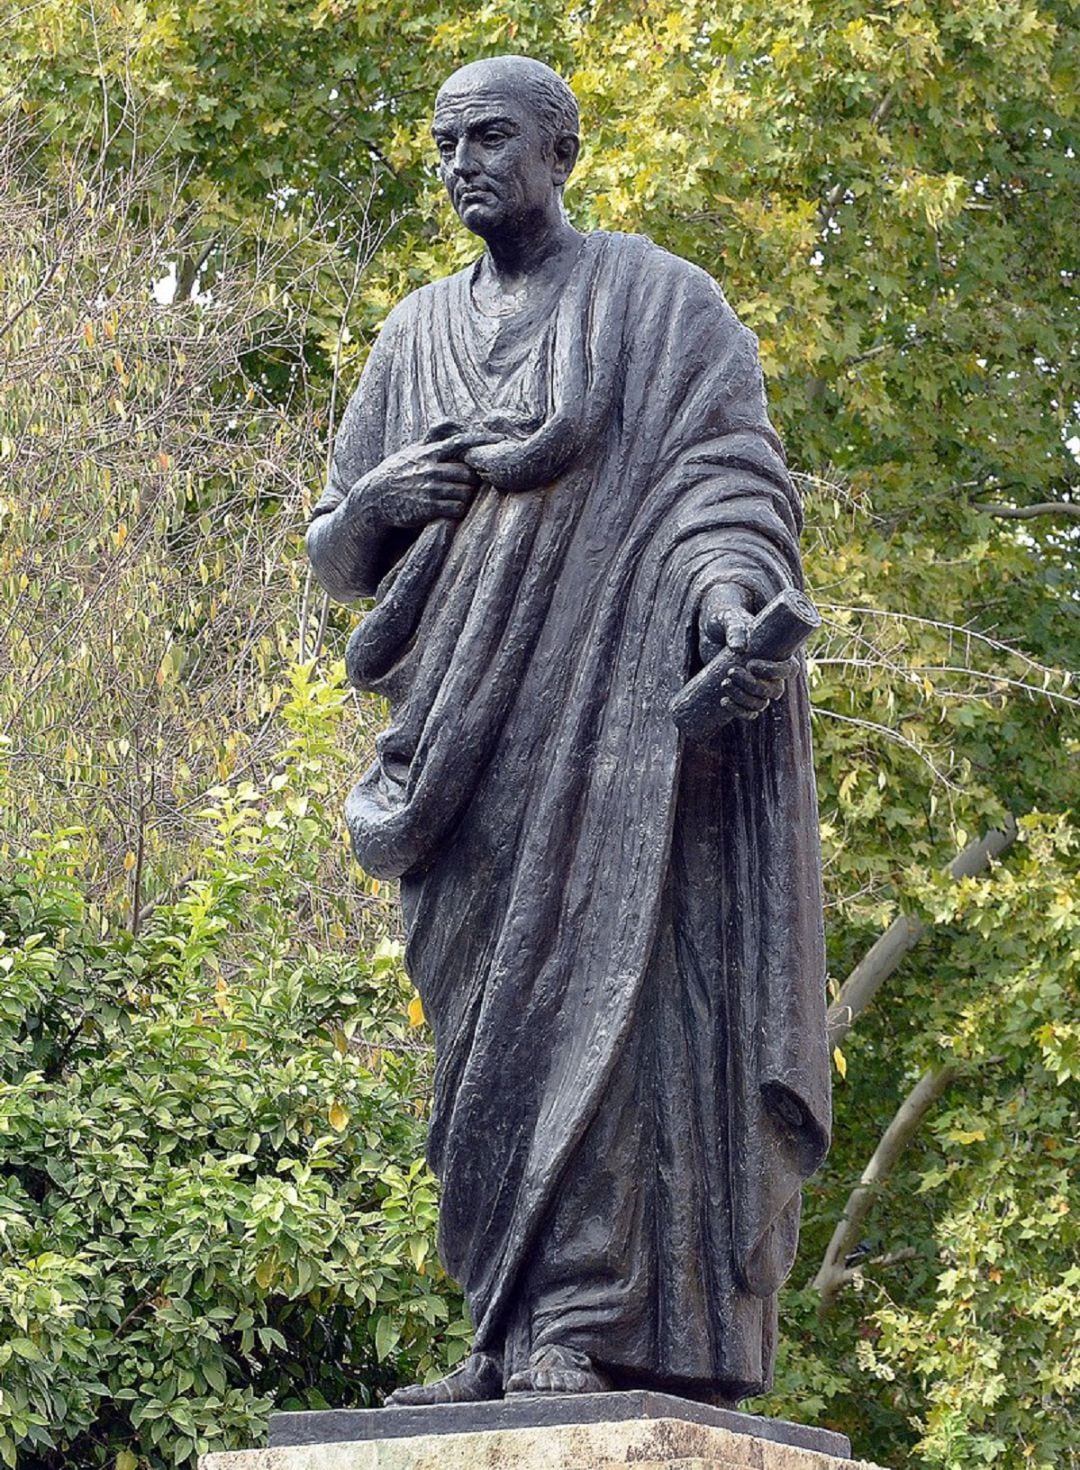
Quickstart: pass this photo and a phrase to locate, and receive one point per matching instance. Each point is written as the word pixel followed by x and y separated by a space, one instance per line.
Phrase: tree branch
pixel 884 956
pixel 187 276
pixel 136 1309
pixel 34 296
pixel 893 1258
pixel 148 909
pixel 832 198
pixel 1029 512
pixel 869 354
pixel 833 1275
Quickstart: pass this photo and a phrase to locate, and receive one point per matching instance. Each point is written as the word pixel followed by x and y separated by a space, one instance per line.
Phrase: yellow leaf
pixel 88 333
pixel 847 785
pixel 129 861
pixel 120 535
pixel 339 1117
pixel 125 1460
pixel 264 1272
pixel 416 1011
pixel 840 1060
pixel 966 1135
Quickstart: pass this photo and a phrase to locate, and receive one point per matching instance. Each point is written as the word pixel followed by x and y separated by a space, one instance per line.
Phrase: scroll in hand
pixel 748 662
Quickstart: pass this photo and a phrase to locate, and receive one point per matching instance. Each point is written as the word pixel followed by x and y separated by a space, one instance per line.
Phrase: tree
pixel 886 196
pixel 157 457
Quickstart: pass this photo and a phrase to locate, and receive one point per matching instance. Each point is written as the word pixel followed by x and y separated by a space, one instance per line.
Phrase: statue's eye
pixel 493 139
pixel 446 148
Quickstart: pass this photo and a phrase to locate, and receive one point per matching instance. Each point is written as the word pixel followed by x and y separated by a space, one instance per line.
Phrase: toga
pixel 616 934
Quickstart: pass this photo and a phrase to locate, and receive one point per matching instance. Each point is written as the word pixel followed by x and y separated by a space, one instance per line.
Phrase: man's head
pixel 507 134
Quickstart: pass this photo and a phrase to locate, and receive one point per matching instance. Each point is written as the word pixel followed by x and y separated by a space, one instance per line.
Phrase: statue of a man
pixel 559 482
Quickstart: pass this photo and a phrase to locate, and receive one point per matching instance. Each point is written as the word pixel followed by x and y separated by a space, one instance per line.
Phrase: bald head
pixel 535 85
pixel 507 134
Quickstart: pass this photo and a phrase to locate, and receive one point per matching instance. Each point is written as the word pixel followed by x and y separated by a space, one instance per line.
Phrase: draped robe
pixel 616 934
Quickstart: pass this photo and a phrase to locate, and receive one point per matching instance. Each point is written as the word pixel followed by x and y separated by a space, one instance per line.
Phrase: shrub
pixel 213 1198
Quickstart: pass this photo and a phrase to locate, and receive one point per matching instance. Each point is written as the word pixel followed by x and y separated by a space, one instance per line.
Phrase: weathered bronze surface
pixel 559 481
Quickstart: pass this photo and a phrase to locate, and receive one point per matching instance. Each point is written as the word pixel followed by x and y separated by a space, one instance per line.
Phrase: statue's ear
pixel 567 148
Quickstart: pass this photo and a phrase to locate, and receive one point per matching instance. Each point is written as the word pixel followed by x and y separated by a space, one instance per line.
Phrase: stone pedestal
pixel 644 1431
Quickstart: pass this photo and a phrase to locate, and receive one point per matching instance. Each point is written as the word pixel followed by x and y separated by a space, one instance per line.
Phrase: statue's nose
pixel 464 165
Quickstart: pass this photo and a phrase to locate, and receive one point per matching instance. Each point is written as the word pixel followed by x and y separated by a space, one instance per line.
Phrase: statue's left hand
pixel 724 622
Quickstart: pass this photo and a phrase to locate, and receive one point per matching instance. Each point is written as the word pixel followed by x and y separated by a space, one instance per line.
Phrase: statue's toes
pixel 416 1395
pixel 556 1380
pixel 570 1383
pixel 477 1378
pixel 556 1369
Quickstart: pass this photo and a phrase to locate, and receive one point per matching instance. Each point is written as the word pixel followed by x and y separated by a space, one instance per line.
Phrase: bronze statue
pixel 559 482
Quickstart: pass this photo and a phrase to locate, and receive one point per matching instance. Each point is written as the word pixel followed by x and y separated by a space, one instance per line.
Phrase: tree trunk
pixel 833 1275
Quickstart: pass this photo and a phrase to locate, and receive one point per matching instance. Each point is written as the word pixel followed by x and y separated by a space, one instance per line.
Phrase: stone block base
pixel 640 1436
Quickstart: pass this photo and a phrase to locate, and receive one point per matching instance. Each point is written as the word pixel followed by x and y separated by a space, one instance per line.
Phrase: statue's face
pixel 494 161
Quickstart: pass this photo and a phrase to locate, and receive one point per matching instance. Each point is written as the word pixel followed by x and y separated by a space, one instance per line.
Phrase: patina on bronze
pixel 559 482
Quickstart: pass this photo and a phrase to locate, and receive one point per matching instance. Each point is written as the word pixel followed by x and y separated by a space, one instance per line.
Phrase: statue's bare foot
pixel 556 1369
pixel 478 1377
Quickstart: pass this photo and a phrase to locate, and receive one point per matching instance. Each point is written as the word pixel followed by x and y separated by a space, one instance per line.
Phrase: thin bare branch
pixel 888 733
pixel 884 956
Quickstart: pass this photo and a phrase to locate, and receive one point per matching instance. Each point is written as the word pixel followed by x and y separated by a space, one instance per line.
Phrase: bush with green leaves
pixel 212 1197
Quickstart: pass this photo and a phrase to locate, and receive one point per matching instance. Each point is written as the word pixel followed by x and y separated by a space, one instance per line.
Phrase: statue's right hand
pixel 425 481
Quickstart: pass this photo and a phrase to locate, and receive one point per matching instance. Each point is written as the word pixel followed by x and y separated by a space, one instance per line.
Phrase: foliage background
pixel 213 1071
